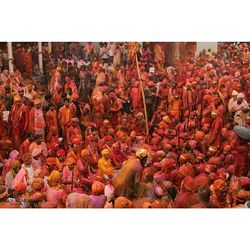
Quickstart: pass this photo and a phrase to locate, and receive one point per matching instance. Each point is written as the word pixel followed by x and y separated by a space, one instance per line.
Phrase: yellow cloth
pixel 59 165
pixel 54 177
pixel 105 166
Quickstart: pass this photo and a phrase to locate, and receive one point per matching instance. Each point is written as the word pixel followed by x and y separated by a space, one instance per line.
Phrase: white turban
pixel 241 95
pixel 234 92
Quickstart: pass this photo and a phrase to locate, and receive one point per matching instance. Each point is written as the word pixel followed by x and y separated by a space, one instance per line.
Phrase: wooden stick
pixel 72 183
pixel 143 96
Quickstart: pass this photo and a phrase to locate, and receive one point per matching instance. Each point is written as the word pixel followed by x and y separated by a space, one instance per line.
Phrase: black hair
pixel 36 137
pixel 63 95
pixel 204 193
pixel 172 192
pixel 51 105
pixel 149 178
pixel 93 129
pixel 47 96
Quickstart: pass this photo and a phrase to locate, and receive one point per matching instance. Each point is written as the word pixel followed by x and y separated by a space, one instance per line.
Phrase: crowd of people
pixel 113 125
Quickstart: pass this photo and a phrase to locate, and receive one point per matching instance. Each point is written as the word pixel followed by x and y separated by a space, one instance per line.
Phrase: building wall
pixel 206 45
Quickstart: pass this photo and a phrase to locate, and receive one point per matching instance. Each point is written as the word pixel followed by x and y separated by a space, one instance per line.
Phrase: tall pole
pixel 40 57
pixel 49 47
pixel 143 96
pixel 10 57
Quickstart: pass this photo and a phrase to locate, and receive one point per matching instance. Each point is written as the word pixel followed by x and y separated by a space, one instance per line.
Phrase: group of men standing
pixel 81 138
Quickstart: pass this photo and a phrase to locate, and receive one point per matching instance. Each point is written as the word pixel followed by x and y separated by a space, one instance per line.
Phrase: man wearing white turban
pixel 241 109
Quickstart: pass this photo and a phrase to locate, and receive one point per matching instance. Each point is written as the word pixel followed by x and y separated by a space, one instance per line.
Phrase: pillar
pixel 176 50
pixel 40 57
pixel 49 47
pixel 10 57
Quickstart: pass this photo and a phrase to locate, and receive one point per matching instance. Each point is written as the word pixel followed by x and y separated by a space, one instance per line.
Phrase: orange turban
pixel 122 202
pixel 85 153
pixel 17 98
pixel 188 183
pixel 20 188
pixel 227 147
pixel 218 184
pixel 236 85
pixel 38 184
pixel 120 134
pixel 97 187
pixel 51 161
pixel 133 134
pixel 70 161
pixel 199 135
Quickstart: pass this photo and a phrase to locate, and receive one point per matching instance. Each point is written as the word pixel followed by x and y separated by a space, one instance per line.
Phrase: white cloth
pixel 158 85
pixel 230 104
pixel 6 115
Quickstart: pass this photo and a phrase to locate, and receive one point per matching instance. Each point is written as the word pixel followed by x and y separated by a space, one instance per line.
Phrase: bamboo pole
pixel 10 57
pixel 40 57
pixel 143 96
